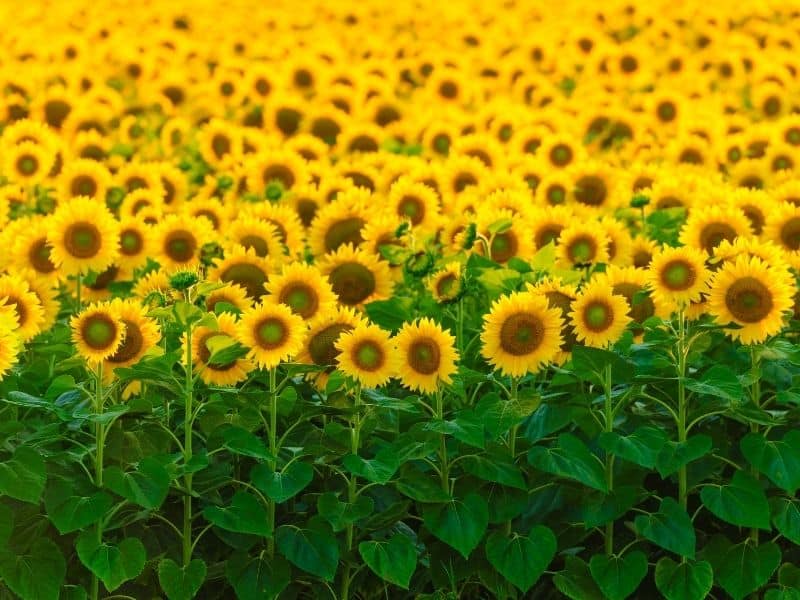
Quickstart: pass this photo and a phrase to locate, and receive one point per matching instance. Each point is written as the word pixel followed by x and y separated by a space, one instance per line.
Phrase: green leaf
pixel 460 523
pixel 390 314
pixel 670 527
pixel 224 350
pixel 499 415
pixel 675 455
pixel 393 560
pixel 641 447
pixel 113 564
pixel 240 441
pixel 380 469
pixel 496 469
pixel 284 484
pixel 619 576
pixel 598 509
pixel 786 518
pixel 522 559
pixel 576 582
pixel 571 459
pixel 741 502
pixel 70 512
pixel 6 524
pixel 719 381
pixel 500 226
pixel 246 514
pixel 590 365
pixel 311 550
pixel 37 574
pixel 780 461
pixel 683 581
pixel 420 487
pixel 466 428
pixel 147 486
pixel 341 514
pixel 782 594
pixel 181 583
pixel 259 577
pixel 23 476
pixel 741 568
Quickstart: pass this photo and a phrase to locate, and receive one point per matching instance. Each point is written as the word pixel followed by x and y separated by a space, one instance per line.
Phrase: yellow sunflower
pixel 427 355
pixel 303 289
pixel 783 227
pixel 678 276
pixel 559 296
pixel 153 288
pixel 83 236
pixel 227 374
pixel 414 202
pixel 141 335
pixel 285 220
pixel 319 347
pixel 243 268
pixel 27 163
pixel 708 225
pixel 340 222
pixel 272 332
pixel 30 249
pixel 10 344
pixel 259 234
pixel 27 307
pixel 135 243
pixel 97 332
pixel 178 241
pixel 231 294
pixel 356 276
pixel 521 334
pixel 512 240
pixel 753 295
pixel 368 355
pixel 581 244
pixel 84 177
pixel 598 315
pixel 447 284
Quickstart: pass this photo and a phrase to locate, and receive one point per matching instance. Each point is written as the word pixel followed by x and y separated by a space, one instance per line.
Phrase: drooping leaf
pixel 494 468
pixel 740 502
pixel 259 576
pixel 675 455
pixel 670 527
pixel 459 523
pixel 576 582
pixel 377 470
pixel 240 441
pixel 641 447
pixel 23 476
pixel 393 560
pixel 786 517
pixel 70 512
pixel 690 580
pixel 341 514
pixel 719 381
pixel 147 486
pixel 522 559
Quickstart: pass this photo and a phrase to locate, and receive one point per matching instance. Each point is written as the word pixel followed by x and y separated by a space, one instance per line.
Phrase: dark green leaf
pixel 284 484
pixel 719 381
pixel 459 523
pixel 147 486
pixel 496 469
pixel 641 447
pixel 377 470
pixel 70 512
pixel 571 459
pixel 670 527
pixel 341 514
pixel 23 476
pixel 311 550
pixel 37 574
pixel 741 568
pixel 786 518
pixel 675 455
pixel 393 560
pixel 522 559
pixel 259 577
pixel 741 502
pixel 246 514
pixel 590 364
pixel 114 564
pixel 181 583
pixel 576 582
pixel 240 441
pixel 618 576
pixel 683 581
pixel 780 461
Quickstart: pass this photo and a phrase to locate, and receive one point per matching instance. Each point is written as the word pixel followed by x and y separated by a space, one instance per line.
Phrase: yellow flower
pixel 368 355
pixel 304 289
pixel 232 294
pixel 97 332
pixel 243 268
pixel 707 226
pixel 581 244
pixel 272 332
pixel 447 284
pixel 10 344
pixel 598 315
pixel 27 163
pixel 178 241
pixel 356 276
pixel 678 276
pixel 141 335
pixel 227 374
pixel 27 308
pixel 427 355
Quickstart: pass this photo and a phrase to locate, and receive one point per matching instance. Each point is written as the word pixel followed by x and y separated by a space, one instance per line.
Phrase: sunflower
pixel 272 332
pixel 242 267
pixel 178 241
pixel 598 315
pixel 677 276
pixel 560 151
pixel 274 172
pixel 229 295
pixel 45 292
pixel 367 354
pixel 581 244
pixel 227 374
pixel 220 143
pixel 771 253
pixel 303 289
pixel 459 173
pixel 340 222
pixel 27 163
pixel 84 236
pixel 140 176
pixel 84 177
pixel 415 202
pixel 260 235
pixel 427 355
pixel 97 332
pixel 287 224
pixel 447 284
pixel 153 288
pixel 594 184
pixel 783 227
pixel 356 275
pixel 135 243
pixel 559 296
pixel 633 285
pixel 521 333
pixel 30 248
pixel 642 251
pixel 141 335
pixel 319 346
pixel 707 226
pixel 10 344
pixel 137 202
pixel 753 295
pixel 514 240
pixel 547 223
pixel 27 308
pixel 173 182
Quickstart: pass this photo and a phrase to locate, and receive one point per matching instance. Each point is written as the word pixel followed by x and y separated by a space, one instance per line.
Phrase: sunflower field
pixel 399 300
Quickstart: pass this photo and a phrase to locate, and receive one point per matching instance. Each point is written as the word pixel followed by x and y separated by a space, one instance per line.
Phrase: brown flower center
pixel 39 256
pixel 249 276
pixel 82 240
pixel 131 346
pixel 301 298
pixel 352 282
pixel 749 300
pixel 790 233
pixel 424 356
pixel 346 231
pixel 713 235
pixel 521 334
pixel 590 190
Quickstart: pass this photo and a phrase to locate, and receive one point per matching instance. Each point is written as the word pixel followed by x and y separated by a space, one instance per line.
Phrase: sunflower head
pixel 598 315
pixel 272 332
pixel 427 355
pixel 98 332
pixel 367 354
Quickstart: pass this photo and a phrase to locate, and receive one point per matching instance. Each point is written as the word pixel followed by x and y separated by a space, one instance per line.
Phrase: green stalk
pixel 755 395
pixel 460 326
pixel 352 486
pixel 100 441
pixel 273 450
pixel 445 467
pixel 512 436
pixel 682 407
pixel 187 449
pixel 608 413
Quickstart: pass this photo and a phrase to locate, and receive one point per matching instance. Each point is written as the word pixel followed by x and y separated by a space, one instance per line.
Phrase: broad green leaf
pixel 393 560
pixel 311 550
pixel 786 518
pixel 114 564
pixel 741 502
pixel 224 350
pixel 619 576
pixel 498 415
pixel 246 514
pixel 70 512
pixel 590 365
pixel 341 514
pixel 466 428
pixel 571 459
pixel 147 486
pixel 240 441
pixel 719 381
pixel 377 470
pixel 284 484
pixel 789 575
pixel 641 447
pixel 741 568
pixel 674 455
pixel 37 574
pixel 780 461
pixel 23 476
pixel 181 582
pixel 420 487
pixel 576 582
pixel 598 508
pixel 522 559
pixel 670 527
pixel 494 468
pixel 259 576
pixel 684 581
pixel 782 594
pixel 6 524
pixel 459 523
pixel 390 314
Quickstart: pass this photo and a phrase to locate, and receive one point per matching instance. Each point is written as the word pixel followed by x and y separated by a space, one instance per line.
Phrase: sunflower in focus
pixel 709 225
pixel 582 244
pixel 178 241
pixel 204 338
pixel 356 276
pixel 272 333
pixel 303 289
pixel 598 315
pixel 141 334
pixel 368 355
pixel 427 355
pixel 97 332
pixel 678 276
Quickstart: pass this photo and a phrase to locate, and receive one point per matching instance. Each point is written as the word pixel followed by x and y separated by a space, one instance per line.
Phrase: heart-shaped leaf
pixel 684 581
pixel 741 502
pixel 70 512
pixel 147 486
pixel 393 560
pixel 786 518
pixel 520 559
pixel 341 514
pixel 246 514
pixel 641 447
pixel 258 577
pixel 280 486
pixel 114 564
pixel 459 523
pixel 619 576
pixel 496 469
pixel 377 470
pixel 741 569
pixel 675 455
pixel 240 441
pixel 576 582
pixel 571 459
pixel 181 583
pixel 313 550
pixel 670 527
pixel 780 461
pixel 23 476
pixel 36 574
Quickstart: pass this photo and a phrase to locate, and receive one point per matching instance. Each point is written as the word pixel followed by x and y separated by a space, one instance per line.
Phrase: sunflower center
pixel 271 333
pixel 248 276
pixel 99 331
pixel 306 210
pixel 563 303
pixel 413 208
pixel 424 356
pixel 756 218
pixel 447 286
pixel 82 240
pixel 713 235
pixel 590 190
pixel 131 242
pixel 83 185
pixel 504 246
pixel 793 136
pixel 641 259
pixel 280 173
pixel 521 334
pixel 39 257
pixel 666 111
pixel 19 309
pixel 352 282
pixel 582 250
pixel 368 356
pixel 561 155
pixel 131 346
pixel 641 307
pixel 772 106
pixel 205 354
pixel 556 194
pixel 597 316
pixel 346 231
pixel 463 181
pixel 321 346
pixel 547 234
pixel 749 300
pixel 441 143
pixel 301 299
pixel 257 243
pixel 102 281
pixel 448 90
pixel 790 233
pixel 220 145
pixel 27 165
pixel 180 246
pixel 678 275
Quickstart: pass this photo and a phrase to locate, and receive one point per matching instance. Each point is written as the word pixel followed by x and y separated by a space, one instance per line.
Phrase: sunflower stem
pixel 682 408
pixel 187 448
pixel 273 450
pixel 445 470
pixel 460 326
pixel 755 396
pixel 100 434
pixel 512 436
pixel 608 413
pixel 352 487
